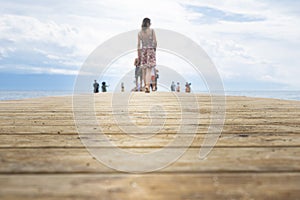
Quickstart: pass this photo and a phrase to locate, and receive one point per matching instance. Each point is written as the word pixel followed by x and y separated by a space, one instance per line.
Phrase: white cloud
pixel 47 70
pixel 64 33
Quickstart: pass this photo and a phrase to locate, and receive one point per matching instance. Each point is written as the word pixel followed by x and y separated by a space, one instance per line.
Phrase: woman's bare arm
pixel 154 40
pixel 139 46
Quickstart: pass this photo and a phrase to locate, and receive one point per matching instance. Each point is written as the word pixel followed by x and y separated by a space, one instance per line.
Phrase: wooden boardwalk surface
pixel 256 157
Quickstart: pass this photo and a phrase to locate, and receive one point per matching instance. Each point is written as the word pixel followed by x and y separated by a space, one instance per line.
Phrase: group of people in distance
pixel 177 87
pixel 146 74
pixel 145 63
pixel 96 86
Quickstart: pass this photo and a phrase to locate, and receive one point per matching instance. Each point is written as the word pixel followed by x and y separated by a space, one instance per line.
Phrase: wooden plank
pixel 145 121
pixel 55 160
pixel 69 115
pixel 218 186
pixel 248 129
pixel 202 129
pixel 126 141
pixel 140 102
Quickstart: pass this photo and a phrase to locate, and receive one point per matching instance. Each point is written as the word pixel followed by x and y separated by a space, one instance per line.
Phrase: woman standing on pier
pixel 147 51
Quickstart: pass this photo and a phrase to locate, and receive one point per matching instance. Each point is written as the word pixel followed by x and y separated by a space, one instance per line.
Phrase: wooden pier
pixel 257 156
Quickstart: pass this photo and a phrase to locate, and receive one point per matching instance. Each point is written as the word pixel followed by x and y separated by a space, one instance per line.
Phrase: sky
pixel 254 44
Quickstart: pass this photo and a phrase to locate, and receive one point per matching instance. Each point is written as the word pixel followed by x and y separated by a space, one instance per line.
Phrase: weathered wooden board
pixel 60 160
pixel 217 186
pixel 146 120
pixel 122 140
pixel 257 156
pixel 202 129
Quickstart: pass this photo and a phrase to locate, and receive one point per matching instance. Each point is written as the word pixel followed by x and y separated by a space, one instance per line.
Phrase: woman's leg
pixel 141 83
pixel 144 76
pixel 148 78
pixel 136 83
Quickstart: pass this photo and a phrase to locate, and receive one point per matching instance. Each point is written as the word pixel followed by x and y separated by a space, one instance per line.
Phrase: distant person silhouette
pixel 173 86
pixel 96 86
pixel 188 87
pixel 122 87
pixel 178 87
pixel 103 87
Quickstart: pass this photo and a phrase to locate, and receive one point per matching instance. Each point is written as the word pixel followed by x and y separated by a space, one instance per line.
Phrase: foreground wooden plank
pixel 122 140
pixel 202 129
pixel 219 160
pixel 145 120
pixel 267 186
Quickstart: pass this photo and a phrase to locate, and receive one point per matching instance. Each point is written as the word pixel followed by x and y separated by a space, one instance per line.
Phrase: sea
pixel 286 95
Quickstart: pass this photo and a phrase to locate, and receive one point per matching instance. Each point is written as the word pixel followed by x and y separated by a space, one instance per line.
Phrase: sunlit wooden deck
pixel 256 157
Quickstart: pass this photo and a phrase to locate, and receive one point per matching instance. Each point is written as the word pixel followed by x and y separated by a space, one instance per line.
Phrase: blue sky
pixel 254 44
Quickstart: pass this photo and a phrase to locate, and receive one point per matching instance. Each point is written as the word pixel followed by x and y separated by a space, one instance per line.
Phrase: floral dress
pixel 148 50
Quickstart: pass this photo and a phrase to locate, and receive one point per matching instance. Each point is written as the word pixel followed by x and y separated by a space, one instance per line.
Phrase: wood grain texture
pixel 257 156
pixel 267 186
pixel 157 141
pixel 75 160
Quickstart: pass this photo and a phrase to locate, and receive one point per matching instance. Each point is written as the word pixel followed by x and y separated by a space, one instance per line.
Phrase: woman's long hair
pixel 146 23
